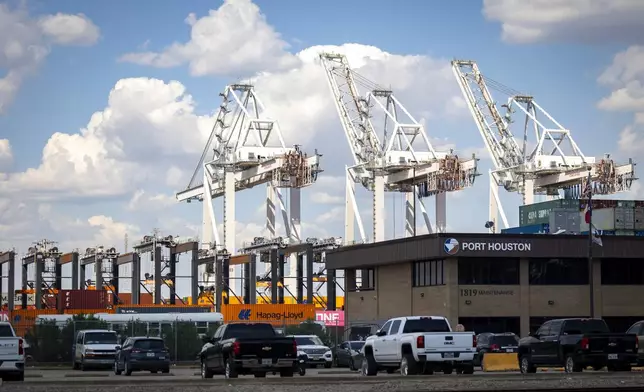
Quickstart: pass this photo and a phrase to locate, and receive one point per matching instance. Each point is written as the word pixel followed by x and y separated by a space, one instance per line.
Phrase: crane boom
pixel 562 167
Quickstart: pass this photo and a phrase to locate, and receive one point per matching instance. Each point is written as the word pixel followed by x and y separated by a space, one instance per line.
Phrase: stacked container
pixel 163 309
pixel 83 299
pixel 539 213
pixel 543 228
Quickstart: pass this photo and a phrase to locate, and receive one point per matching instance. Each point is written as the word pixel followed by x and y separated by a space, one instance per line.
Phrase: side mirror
pixel 381 333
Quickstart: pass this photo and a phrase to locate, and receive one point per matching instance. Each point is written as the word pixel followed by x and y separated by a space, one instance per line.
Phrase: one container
pixel 629 233
pixel 624 218
pixel 539 213
pixel 639 218
pixel 276 314
pixel 543 228
pixel 87 311
pixel 626 203
pixel 603 219
pixel 83 299
pixel 567 220
pixel 163 309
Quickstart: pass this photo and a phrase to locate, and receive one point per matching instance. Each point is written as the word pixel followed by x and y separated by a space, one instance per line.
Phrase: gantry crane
pixel 245 149
pixel 401 159
pixel 552 163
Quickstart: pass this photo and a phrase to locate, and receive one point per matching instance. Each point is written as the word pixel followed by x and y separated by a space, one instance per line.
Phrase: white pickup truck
pixel 12 354
pixel 419 345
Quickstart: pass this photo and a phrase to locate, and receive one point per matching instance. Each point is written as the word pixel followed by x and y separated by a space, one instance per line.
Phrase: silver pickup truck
pixel 12 354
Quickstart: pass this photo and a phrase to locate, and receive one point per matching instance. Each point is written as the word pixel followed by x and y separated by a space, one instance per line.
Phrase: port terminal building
pixel 493 282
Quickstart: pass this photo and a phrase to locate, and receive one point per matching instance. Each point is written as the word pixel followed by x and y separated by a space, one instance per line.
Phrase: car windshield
pixel 505 340
pixel 356 345
pixel 5 331
pixel 149 344
pixel 426 325
pixel 100 338
pixel 308 341
pixel 580 327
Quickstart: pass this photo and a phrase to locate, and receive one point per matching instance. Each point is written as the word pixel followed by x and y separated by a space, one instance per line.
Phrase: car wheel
pixel 230 371
pixel 571 365
pixel 117 371
pixel 126 369
pixel 352 365
pixel 205 372
pixel 408 366
pixel 260 375
pixel 165 370
pixel 369 367
pixel 526 366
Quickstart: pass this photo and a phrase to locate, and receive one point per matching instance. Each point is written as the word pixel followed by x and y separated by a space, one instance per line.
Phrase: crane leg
pixel 441 212
pixel 210 235
pixel 229 218
pixel 270 211
pixel 379 208
pixel 351 212
pixel 493 207
pixel 410 214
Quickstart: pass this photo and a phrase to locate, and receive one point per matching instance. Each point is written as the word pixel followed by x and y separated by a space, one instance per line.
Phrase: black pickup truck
pixel 576 344
pixel 248 348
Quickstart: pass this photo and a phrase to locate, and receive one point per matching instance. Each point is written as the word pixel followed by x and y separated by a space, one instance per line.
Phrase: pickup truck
pixel 575 344
pixel 12 354
pixel 248 348
pixel 637 329
pixel 419 345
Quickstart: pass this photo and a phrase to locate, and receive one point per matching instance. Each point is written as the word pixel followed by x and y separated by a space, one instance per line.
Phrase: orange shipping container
pixel 87 311
pixel 276 314
pixel 27 317
pixel 144 299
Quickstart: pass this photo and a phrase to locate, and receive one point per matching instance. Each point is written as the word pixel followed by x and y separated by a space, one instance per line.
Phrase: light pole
pixel 591 280
pixel 413 190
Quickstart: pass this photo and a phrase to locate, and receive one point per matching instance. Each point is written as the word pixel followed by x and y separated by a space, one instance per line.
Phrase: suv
pixel 94 348
pixel 141 354
pixel 316 351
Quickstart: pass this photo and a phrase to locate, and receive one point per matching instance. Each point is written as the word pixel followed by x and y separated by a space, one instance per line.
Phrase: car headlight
pixel 328 354
pixel 89 351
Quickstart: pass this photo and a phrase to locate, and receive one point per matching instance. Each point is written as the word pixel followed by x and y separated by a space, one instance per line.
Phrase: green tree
pixel 45 341
pixel 329 336
pixel 184 341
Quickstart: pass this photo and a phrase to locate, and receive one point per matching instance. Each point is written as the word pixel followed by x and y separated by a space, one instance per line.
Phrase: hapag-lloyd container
pixel 276 314
pixel 83 299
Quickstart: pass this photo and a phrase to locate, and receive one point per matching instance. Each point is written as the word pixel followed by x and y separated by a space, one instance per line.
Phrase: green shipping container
pixel 539 213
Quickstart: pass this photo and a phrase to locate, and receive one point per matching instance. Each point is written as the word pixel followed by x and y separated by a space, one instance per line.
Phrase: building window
pixel 622 271
pixel 488 271
pixel 491 324
pixel 558 271
pixel 621 324
pixel 428 273
pixel 367 279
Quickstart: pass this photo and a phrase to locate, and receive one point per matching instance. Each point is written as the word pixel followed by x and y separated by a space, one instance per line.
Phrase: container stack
pixel 83 299
pixel 610 217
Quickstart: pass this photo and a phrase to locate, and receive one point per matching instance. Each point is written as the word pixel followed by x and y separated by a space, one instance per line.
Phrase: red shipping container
pixel 50 301
pixel 83 299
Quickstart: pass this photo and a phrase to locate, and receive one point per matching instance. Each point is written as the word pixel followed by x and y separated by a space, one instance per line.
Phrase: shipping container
pixel 639 218
pixel 625 203
pixel 624 218
pixel 164 309
pixel 598 204
pixel 539 213
pixel 27 317
pixel 144 299
pixel 543 228
pixel 601 233
pixel 276 314
pixel 567 220
pixel 639 203
pixel 629 233
pixel 87 311
pixel 603 219
pixel 639 233
pixel 83 299
pixel 50 301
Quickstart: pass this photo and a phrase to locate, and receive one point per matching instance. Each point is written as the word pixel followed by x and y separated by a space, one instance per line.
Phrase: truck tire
pixel 230 371
pixel 20 376
pixel 468 369
pixel 408 366
pixel 526 365
pixel 571 366
pixel 205 372
pixel 369 366
pixel 448 369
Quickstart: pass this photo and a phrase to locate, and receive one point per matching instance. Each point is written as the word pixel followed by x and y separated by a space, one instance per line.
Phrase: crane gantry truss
pixel 401 159
pixel 551 164
pixel 245 149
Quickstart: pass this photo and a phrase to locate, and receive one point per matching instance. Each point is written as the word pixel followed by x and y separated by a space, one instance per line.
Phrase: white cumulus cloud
pixel 25 42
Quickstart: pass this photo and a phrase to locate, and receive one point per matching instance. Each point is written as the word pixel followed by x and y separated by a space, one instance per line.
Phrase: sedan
pixel 348 354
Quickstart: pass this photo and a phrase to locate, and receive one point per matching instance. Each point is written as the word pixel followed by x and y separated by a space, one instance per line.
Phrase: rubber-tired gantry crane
pixel 404 160
pixel 245 149
pixel 555 163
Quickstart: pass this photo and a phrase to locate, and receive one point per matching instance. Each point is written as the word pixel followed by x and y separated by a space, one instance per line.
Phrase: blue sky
pixel 555 53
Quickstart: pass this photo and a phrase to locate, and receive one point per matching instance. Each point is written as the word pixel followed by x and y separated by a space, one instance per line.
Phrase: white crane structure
pixel 551 163
pixel 398 157
pixel 246 149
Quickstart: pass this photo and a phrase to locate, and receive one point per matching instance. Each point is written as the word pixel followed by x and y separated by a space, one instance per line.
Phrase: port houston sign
pixel 452 246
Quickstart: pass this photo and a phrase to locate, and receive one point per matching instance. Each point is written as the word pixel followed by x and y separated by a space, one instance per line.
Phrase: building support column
pixel 524 296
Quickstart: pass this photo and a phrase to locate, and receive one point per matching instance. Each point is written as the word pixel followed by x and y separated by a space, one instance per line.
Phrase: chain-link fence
pixel 51 342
